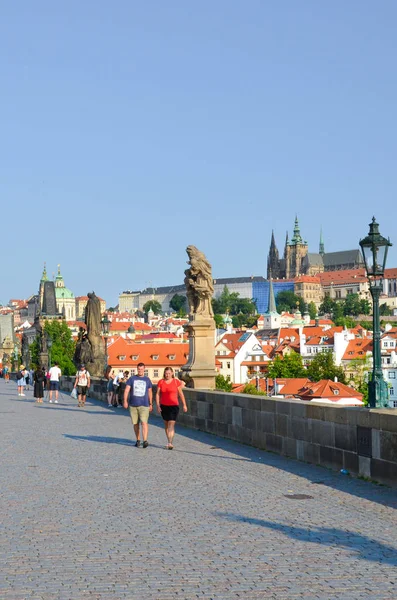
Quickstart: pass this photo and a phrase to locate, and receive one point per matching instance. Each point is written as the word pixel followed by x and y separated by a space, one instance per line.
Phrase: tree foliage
pixel 288 301
pixel 250 388
pixel 230 302
pixel 62 349
pixel 385 310
pixel 323 366
pixel 153 305
pixel 223 383
pixel 312 309
pixel 351 306
pixel 290 366
pixel 177 302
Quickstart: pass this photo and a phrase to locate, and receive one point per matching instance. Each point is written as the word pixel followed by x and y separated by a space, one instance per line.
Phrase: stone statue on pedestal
pixel 90 347
pixel 199 284
pixel 199 372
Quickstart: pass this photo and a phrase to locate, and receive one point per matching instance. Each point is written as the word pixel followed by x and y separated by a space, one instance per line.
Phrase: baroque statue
pixel 90 347
pixel 199 284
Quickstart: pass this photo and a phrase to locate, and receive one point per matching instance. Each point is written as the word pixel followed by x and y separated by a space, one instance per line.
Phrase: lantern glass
pixel 375 248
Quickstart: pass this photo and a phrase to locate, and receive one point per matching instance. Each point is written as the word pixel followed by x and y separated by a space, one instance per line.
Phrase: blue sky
pixel 132 129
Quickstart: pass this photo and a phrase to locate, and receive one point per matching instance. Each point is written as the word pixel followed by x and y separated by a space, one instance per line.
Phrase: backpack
pixel 19 375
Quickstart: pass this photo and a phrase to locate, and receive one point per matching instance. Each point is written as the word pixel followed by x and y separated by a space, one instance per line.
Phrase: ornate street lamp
pixel 105 323
pixel 49 346
pixel 374 248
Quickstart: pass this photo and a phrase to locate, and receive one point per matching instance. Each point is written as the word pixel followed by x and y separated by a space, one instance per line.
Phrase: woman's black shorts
pixel 169 413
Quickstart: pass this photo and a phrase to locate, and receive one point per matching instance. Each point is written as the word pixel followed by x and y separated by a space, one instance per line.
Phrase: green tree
pixel 290 366
pixel 312 309
pixel 218 321
pixel 327 306
pixel 384 310
pixel 323 366
pixel 288 301
pixel 351 305
pixel 62 348
pixel 365 307
pixel 154 305
pixel 223 383
pixel 250 388
pixel 360 368
pixel 177 302
pixel 232 303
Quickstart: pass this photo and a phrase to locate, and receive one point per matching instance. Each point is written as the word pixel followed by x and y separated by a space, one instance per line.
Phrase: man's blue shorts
pixel 54 385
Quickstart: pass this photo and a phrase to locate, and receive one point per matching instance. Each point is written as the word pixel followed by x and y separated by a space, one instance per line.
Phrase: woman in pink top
pixel 169 391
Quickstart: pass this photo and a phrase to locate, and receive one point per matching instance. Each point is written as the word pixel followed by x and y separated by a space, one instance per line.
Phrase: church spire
pixel 321 250
pixel 296 238
pixel 44 275
pixel 272 300
pixel 273 259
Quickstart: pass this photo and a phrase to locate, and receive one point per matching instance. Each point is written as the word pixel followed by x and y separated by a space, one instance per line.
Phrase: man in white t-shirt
pixel 55 373
pixel 82 382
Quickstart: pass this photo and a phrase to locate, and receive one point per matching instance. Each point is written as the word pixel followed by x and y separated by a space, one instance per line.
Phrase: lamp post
pixel 105 331
pixel 374 248
pixel 49 346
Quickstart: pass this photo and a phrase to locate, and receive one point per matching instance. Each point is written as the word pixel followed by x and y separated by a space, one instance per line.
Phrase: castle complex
pixel 297 260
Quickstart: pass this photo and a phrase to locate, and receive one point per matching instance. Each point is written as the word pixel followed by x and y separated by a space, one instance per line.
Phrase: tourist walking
pixel 82 383
pixel 27 379
pixel 6 375
pixel 21 380
pixel 38 384
pixel 169 392
pixel 55 373
pixel 138 397
pixel 109 375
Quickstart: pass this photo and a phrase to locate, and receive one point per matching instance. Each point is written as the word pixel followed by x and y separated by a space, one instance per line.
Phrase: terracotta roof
pixel 145 353
pixel 291 387
pixel 327 389
pixel 307 279
pixel 86 298
pixel 231 341
pixel 340 277
pixel 357 348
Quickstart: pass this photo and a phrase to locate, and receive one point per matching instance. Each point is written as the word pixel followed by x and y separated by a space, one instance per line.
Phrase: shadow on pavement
pixel 106 440
pixel 364 547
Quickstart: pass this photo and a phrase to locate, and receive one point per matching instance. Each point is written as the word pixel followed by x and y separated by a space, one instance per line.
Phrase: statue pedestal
pixel 44 360
pixel 199 372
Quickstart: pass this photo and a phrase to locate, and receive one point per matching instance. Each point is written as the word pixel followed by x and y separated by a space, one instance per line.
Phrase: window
pixel 133 372
pixel 385 344
pixel 146 373
pixel 171 356
pixel 155 356
pixel 228 365
pixel 135 357
pixel 336 392
pixel 392 374
pixel 155 372
pixel 394 403
pixel 338 294
pixel 351 375
pixel 122 357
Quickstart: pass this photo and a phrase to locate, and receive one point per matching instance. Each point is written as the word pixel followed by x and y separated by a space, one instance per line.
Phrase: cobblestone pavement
pixel 85 514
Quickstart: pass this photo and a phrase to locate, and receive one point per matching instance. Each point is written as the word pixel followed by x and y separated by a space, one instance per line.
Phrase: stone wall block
pixel 350 461
pixel 346 437
pixel 298 410
pixel 283 407
pixel 202 410
pixel 311 453
pixel 301 429
pixel 193 407
pixel 237 416
pixel 259 439
pixel 388 446
pixel 388 420
pixel 267 422
pixel 331 457
pixel 364 466
pixel 323 433
pixel 274 443
pixel 314 411
pixel 383 470
pixel 282 425
pixel 268 405
pixel 248 418
pixel 289 447
pixel 219 413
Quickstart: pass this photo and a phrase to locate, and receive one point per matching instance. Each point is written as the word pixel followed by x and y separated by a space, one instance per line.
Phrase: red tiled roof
pixel 308 279
pixel 292 386
pixel 145 352
pixel 327 389
pixel 343 277
pixel 357 346
pixel 231 341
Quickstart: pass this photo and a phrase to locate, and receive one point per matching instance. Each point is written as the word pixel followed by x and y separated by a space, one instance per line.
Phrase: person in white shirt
pixel 82 382
pixel 55 373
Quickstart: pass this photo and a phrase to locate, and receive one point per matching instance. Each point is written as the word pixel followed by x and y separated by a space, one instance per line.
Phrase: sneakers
pixel 23 394
pixel 50 401
pixel 137 444
pixel 56 401
pixel 145 444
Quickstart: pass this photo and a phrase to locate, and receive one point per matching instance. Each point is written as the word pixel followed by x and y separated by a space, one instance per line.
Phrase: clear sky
pixel 129 130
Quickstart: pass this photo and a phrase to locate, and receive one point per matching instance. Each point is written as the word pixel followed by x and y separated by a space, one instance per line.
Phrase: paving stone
pixel 86 515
